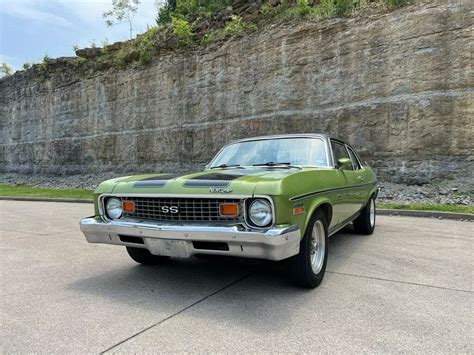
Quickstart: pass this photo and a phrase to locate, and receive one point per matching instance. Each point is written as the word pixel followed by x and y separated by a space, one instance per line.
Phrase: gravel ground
pixel 458 192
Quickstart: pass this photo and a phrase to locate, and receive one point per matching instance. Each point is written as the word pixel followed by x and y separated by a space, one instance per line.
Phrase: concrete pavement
pixel 406 288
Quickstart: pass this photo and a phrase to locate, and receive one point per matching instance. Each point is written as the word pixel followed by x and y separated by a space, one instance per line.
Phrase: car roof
pixel 280 136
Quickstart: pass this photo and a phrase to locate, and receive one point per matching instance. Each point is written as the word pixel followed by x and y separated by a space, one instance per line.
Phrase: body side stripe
pixel 300 197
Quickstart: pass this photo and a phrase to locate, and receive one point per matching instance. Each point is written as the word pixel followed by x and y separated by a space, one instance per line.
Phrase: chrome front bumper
pixel 183 240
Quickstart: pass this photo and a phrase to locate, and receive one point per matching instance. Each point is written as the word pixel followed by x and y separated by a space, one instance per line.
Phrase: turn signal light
pixel 229 209
pixel 128 206
pixel 298 210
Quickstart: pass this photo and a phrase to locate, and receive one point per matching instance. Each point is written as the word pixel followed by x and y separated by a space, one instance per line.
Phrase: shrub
pixel 213 36
pixel 145 57
pixel 303 8
pixel 43 66
pixel 26 66
pixel 189 9
pixel 326 8
pixel 267 9
pixel 121 58
pixel 235 26
pixel 145 45
pixel 343 7
pixel 397 3
pixel 183 31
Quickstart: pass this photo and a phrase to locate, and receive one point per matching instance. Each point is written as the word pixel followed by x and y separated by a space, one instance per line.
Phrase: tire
pixel 307 269
pixel 143 256
pixel 365 223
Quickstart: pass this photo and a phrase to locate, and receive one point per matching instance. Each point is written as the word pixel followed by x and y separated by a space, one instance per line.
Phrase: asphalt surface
pixel 406 288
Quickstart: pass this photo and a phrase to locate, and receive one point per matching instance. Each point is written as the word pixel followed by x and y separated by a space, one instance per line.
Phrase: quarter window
pixel 339 151
pixel 355 161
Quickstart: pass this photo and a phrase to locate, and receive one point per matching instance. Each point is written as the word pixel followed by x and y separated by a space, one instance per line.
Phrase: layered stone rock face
pixel 398 86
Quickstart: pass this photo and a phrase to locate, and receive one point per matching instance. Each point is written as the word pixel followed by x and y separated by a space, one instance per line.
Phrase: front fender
pixel 310 206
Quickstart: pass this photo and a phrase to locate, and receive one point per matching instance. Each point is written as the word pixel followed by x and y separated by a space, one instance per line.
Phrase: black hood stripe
pixel 155 181
pixel 211 179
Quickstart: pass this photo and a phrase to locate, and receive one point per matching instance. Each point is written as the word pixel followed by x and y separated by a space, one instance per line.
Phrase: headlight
pixel 114 208
pixel 260 213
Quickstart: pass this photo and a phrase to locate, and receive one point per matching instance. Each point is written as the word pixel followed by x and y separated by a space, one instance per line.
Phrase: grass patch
pixel 437 207
pixel 7 190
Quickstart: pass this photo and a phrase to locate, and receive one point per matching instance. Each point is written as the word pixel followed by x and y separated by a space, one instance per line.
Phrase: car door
pixel 358 180
pixel 348 196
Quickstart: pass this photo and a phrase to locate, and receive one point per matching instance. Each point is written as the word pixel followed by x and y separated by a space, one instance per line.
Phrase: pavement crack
pixel 178 312
pixel 399 281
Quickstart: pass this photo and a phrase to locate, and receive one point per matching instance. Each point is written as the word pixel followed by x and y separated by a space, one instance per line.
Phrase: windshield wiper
pixel 273 164
pixel 226 166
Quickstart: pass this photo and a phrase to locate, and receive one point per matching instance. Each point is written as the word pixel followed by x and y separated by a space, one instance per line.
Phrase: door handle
pixel 361 178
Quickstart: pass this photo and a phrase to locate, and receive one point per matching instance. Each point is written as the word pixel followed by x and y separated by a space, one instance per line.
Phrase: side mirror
pixel 344 164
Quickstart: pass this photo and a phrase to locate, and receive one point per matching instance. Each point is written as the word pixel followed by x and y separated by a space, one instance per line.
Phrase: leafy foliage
pixel 43 66
pixel 26 66
pixel 235 27
pixel 397 3
pixel 187 21
pixel 189 9
pixel 183 31
pixel 5 70
pixel 322 8
pixel 145 45
pixel 121 57
pixel 343 7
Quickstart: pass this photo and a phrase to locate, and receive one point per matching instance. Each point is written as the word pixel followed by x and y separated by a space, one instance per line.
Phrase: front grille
pixel 189 209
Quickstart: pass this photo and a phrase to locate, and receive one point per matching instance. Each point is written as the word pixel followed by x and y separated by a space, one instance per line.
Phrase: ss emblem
pixel 169 209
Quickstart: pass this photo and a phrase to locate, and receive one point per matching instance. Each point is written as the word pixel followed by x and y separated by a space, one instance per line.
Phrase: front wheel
pixel 308 267
pixel 143 256
pixel 365 223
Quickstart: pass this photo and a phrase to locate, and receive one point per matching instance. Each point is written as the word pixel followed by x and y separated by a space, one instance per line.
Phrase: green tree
pixel 122 11
pixel 5 70
pixel 165 9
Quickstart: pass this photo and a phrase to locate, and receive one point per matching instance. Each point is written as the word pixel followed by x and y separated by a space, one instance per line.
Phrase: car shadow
pixel 256 293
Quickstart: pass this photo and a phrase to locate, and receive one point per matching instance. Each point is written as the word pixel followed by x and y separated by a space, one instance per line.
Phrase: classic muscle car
pixel 274 197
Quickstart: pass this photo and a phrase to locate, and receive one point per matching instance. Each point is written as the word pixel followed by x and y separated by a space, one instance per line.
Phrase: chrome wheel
pixel 372 212
pixel 317 247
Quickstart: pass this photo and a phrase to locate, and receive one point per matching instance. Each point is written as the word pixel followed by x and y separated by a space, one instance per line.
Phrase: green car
pixel 274 197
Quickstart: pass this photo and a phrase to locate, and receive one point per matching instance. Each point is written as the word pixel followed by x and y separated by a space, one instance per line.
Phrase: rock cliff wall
pixel 398 86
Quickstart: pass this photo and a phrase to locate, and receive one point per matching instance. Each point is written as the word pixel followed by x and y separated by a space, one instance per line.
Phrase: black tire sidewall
pixel 301 270
pixel 362 223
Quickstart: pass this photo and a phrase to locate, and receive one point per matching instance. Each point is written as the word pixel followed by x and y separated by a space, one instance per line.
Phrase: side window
pixel 339 151
pixel 355 161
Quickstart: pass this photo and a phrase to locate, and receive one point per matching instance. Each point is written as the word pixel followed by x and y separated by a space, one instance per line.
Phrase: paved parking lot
pixel 407 287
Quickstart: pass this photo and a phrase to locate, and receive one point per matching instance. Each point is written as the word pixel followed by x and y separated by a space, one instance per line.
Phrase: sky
pixel 31 29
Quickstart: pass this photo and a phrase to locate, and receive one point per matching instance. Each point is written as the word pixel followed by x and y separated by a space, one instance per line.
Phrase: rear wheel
pixel 365 223
pixel 143 256
pixel 308 267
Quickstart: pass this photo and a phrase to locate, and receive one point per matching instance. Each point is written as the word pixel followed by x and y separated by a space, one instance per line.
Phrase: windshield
pixel 294 151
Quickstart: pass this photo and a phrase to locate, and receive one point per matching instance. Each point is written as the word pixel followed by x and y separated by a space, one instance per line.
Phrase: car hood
pixel 215 182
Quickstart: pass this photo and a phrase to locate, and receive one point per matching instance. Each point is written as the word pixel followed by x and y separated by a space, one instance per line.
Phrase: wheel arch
pixel 320 204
